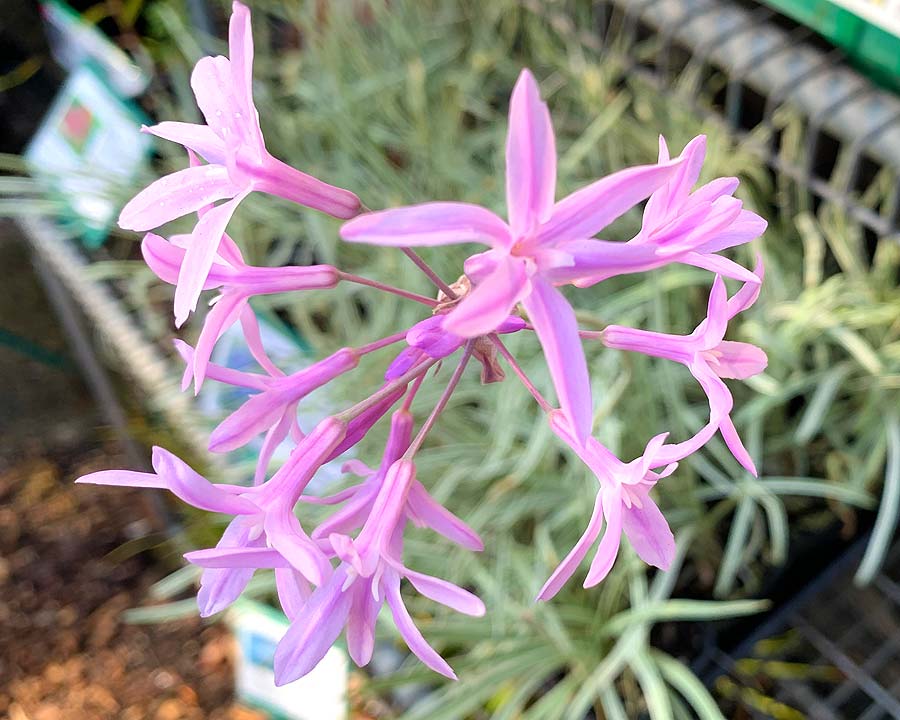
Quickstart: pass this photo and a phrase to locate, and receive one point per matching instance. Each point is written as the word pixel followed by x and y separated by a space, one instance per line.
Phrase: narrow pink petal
pixel 274 437
pixel 748 294
pixel 213 86
pixel 738 360
pixel 530 157
pixel 711 330
pixel 354 466
pixel 658 203
pixel 238 557
pixel 350 517
pixel 284 533
pixel 554 321
pixel 678 451
pixel 250 327
pixel 714 189
pixel 194 489
pixel 748 226
pixel 648 342
pixel 361 624
pixel 124 478
pixel 570 563
pixel 733 441
pixel 427 511
pixel 219 587
pixel 175 195
pixel 679 186
pixel 437 223
pixel 256 415
pixel 362 423
pixel 649 534
pixel 240 55
pixel 591 261
pixel 609 543
pixel 222 316
pixel 313 631
pixel 200 255
pixel 719 265
pixel 491 301
pixel 198 138
pixel 219 373
pixel 445 593
pixel 417 644
pixel 586 212
pixel 293 591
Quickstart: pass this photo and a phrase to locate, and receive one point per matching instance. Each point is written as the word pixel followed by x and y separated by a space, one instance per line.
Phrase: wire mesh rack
pixel 745 63
pixel 832 653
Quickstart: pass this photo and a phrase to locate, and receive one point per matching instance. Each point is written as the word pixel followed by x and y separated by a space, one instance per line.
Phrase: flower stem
pixel 586 334
pixel 378 344
pixel 387 390
pixel 442 402
pixel 520 373
pixel 349 277
pixel 432 275
pixel 410 396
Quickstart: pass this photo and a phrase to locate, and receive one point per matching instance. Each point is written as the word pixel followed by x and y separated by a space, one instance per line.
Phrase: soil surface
pixel 69 555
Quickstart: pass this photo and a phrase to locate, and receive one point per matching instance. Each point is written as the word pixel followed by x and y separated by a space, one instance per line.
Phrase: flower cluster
pixel 337 576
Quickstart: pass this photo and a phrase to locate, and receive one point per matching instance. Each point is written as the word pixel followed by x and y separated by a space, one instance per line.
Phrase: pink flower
pixel 421 509
pixel 264 531
pixel 542 238
pixel 623 501
pixel 239 282
pixel 709 358
pixel 238 163
pixel 695 225
pixel 369 575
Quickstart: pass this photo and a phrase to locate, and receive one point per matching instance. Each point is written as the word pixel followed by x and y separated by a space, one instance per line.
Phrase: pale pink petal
pixel 679 186
pixel 590 261
pixel 250 328
pixel 428 512
pixel 586 212
pixel 738 360
pixel 257 414
pixel 649 534
pixel 194 489
pixel 361 624
pixel 240 54
pixel 713 190
pixel 200 255
pixel 557 329
pixel 284 533
pixel 237 557
pixel 711 330
pixel 530 158
pixel 748 226
pixel 293 591
pixel 437 223
pixel 658 203
pixel 417 644
pixel 749 292
pixel 313 631
pixel 274 437
pixel 570 563
pixel 733 441
pixel 609 543
pixel 222 316
pixel 175 195
pixel 213 85
pixel 237 378
pixel 124 478
pixel 491 301
pixel 719 265
pixel 445 593
pixel 219 587
pixel 198 138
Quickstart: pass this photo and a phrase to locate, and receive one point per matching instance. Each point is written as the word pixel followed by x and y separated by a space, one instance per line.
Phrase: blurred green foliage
pixel 405 101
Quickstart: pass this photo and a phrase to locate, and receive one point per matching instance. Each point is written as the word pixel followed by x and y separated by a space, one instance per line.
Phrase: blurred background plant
pixel 405 101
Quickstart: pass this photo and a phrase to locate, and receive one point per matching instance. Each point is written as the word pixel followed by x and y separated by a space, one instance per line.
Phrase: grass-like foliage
pixel 405 101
